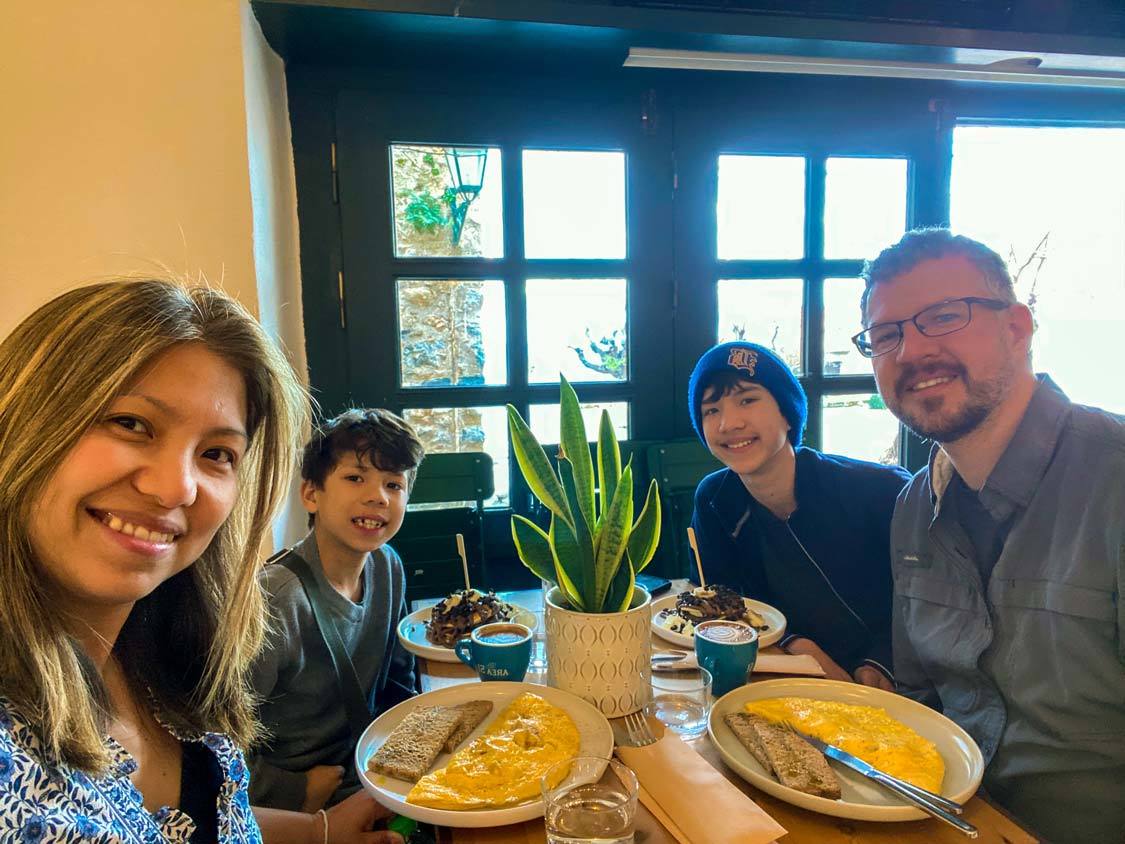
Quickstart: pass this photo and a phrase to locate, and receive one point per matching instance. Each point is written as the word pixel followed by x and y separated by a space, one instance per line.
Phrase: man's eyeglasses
pixel 936 320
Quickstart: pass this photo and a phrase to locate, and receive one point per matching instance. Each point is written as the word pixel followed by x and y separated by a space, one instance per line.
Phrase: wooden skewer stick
pixel 464 559
pixel 695 550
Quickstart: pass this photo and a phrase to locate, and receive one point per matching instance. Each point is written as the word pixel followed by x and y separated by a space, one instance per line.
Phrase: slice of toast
pixel 794 763
pixel 472 713
pixel 415 743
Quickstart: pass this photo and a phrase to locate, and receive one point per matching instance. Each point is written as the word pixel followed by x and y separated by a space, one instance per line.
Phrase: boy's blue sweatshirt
pixel 827 567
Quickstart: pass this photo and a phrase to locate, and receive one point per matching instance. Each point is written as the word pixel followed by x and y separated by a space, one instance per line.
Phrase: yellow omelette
pixel 502 766
pixel 864 731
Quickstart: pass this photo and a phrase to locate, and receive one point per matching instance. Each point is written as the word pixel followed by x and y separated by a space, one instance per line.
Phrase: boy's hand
pixel 350 822
pixel 321 783
pixel 870 676
pixel 832 670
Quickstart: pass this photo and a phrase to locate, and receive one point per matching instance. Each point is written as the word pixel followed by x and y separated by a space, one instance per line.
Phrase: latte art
pixel 727 632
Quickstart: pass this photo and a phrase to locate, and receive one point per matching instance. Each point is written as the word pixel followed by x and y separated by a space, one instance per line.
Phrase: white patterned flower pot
pixel 604 658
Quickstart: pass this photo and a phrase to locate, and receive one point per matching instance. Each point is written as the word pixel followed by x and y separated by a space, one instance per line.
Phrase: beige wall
pixel 147 136
pixel 124 146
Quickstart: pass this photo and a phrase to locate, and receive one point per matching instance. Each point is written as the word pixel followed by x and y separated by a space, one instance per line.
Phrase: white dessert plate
pixel 663 608
pixel 412 633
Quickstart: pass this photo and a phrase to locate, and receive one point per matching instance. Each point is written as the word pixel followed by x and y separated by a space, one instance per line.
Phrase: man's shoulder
pixel 1101 432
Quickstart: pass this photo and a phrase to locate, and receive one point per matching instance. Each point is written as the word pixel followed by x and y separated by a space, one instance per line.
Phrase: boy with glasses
pixel 1008 549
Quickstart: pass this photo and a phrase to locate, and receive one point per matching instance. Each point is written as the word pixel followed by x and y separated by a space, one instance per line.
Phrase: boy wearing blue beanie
pixel 806 532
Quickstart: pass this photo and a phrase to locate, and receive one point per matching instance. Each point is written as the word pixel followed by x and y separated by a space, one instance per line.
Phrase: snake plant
pixel 593 550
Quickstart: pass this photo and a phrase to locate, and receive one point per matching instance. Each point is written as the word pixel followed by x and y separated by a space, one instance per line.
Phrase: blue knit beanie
pixel 754 363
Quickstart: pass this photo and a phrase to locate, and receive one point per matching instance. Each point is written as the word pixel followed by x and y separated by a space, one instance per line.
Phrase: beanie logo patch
pixel 743 359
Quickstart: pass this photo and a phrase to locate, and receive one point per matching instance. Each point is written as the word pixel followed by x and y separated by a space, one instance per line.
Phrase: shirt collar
pixel 1016 475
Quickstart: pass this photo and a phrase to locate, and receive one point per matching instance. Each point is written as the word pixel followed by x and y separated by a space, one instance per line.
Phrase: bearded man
pixel 1008 549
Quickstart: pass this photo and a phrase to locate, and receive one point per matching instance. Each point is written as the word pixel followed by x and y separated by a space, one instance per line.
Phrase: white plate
pixel 772 616
pixel 412 633
pixel 860 798
pixel 593 729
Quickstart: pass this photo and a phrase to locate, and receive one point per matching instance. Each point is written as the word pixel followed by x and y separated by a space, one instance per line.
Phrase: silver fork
pixel 640 734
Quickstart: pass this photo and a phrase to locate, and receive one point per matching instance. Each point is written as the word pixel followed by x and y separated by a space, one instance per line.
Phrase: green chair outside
pixel 678 467
pixel 447 499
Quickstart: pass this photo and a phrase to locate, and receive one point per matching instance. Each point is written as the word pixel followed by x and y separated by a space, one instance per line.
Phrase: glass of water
pixel 593 802
pixel 681 700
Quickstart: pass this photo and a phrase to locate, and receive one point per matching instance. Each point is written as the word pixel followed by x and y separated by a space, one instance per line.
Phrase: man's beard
pixel 981 398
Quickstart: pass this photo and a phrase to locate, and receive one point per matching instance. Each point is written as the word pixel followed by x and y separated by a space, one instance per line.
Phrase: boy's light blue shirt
pixel 1033 666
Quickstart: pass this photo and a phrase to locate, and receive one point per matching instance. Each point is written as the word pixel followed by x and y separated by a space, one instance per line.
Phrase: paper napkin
pixel 702 803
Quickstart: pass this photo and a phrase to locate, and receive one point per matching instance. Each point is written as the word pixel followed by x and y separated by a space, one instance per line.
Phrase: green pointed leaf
pixel 583 573
pixel 621 589
pixel 609 462
pixel 645 536
pixel 534 548
pixel 576 449
pixel 564 550
pixel 614 535
pixel 536 468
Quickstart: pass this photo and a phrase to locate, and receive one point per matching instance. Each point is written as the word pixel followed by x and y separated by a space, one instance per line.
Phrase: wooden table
pixel 804 827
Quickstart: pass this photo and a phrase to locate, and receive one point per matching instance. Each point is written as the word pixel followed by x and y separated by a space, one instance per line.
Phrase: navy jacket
pixel 827 567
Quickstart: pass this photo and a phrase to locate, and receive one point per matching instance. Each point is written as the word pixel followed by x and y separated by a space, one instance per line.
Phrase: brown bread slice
pixel 472 713
pixel 415 743
pixel 793 762
pixel 739 723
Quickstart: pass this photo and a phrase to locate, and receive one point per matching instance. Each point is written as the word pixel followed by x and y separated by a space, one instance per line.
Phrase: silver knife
pixel 933 804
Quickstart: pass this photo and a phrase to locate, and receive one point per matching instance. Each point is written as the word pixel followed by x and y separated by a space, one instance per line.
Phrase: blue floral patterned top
pixel 49 804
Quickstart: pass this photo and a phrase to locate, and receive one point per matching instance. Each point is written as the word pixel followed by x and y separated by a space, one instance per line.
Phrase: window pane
pixel 766 311
pixel 1052 202
pixel 544 421
pixel 576 326
pixel 841 321
pixel 427 201
pixel 461 429
pixel 859 425
pixel 761 207
pixel 573 204
pixel 452 332
pixel 864 205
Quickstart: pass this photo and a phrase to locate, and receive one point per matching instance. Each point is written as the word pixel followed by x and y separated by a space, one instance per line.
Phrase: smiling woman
pixel 147 435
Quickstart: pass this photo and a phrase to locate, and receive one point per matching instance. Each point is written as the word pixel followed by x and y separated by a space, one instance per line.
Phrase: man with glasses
pixel 1008 549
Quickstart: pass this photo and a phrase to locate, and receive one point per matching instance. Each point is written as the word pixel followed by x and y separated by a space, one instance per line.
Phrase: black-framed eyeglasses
pixel 935 321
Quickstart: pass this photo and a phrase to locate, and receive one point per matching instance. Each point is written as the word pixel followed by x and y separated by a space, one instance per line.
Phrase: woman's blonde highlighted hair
pixel 187 645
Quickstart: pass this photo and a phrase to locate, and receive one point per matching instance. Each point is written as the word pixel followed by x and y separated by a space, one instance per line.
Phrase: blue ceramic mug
pixel 497 651
pixel 728 649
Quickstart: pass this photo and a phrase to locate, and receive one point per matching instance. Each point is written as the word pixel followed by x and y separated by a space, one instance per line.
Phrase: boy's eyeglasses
pixel 935 321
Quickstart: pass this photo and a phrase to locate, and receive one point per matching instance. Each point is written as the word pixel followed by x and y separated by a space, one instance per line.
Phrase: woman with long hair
pixel 147 434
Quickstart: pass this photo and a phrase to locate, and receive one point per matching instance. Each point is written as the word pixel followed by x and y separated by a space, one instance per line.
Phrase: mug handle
pixel 463 649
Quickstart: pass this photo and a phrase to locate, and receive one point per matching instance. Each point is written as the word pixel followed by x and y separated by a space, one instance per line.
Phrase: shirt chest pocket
pixel 1053 597
pixel 941 593
pixel 945 622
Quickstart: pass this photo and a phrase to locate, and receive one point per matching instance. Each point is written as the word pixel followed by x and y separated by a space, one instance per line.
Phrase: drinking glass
pixel 589 804
pixel 681 700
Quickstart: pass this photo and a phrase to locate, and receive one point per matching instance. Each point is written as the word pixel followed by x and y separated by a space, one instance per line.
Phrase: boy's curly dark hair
pixel 385 439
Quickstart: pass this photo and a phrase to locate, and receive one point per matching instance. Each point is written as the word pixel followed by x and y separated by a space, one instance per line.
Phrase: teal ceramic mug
pixel 728 649
pixel 497 651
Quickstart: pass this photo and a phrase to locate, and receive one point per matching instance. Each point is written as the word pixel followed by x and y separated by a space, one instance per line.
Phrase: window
pixel 792 232
pixel 1051 200
pixel 503 263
